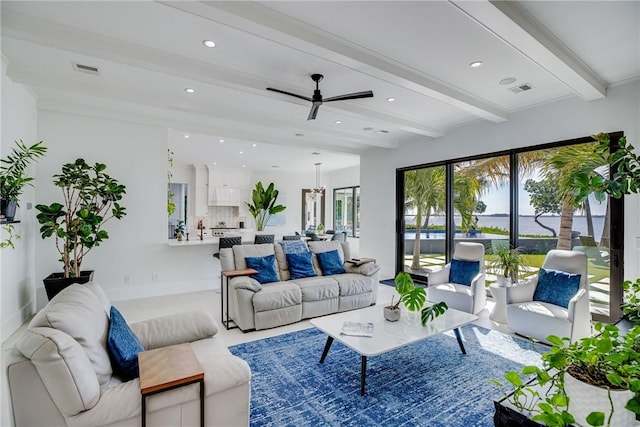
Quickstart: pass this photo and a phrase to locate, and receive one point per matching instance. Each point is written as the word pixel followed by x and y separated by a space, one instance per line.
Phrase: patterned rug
pixel 430 383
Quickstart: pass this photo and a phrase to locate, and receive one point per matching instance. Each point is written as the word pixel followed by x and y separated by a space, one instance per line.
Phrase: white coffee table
pixel 387 336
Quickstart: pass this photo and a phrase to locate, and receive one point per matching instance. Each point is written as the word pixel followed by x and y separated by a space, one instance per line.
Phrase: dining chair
pixel 264 238
pixel 227 242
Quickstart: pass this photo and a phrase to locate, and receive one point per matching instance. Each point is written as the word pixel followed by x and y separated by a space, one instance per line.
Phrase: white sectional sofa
pixel 253 305
pixel 60 374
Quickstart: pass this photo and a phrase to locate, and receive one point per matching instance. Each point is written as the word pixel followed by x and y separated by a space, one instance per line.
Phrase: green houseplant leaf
pixel 263 204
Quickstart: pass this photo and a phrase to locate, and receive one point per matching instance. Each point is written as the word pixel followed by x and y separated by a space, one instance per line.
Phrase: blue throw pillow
pixel 123 347
pixel 265 266
pixel 300 265
pixel 462 272
pixel 556 287
pixel 330 263
pixel 294 246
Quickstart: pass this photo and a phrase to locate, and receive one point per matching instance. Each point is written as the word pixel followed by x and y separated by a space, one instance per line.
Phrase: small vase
pixel 392 314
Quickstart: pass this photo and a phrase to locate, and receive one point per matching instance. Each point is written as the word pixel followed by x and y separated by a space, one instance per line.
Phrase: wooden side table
pixel 224 290
pixel 168 368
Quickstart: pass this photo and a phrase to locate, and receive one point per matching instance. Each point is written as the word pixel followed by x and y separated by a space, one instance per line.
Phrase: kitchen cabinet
pixel 228 187
pixel 201 191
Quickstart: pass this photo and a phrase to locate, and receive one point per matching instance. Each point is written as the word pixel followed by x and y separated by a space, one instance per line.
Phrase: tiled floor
pixel 136 310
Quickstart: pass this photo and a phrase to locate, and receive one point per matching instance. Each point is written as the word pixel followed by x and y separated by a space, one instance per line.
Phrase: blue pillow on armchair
pixel 462 272
pixel 300 265
pixel 265 266
pixel 556 287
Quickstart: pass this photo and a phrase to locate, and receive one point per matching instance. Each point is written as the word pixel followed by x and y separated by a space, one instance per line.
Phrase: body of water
pixel 528 226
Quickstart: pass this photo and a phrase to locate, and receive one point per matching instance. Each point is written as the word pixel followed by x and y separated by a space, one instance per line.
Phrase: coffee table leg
pixel 363 373
pixel 327 346
pixel 459 338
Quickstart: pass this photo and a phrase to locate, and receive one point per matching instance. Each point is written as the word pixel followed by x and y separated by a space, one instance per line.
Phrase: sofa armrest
pixel 522 292
pixel 175 329
pixel 245 282
pixel 367 269
pixel 440 276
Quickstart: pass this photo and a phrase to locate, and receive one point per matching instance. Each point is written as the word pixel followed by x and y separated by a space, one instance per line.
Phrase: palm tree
pixel 424 191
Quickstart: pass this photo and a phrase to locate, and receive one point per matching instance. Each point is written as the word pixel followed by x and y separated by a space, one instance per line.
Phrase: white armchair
pixel 538 318
pixel 470 297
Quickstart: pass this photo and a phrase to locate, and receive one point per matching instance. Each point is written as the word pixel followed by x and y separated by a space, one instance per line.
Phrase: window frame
pixel 355 208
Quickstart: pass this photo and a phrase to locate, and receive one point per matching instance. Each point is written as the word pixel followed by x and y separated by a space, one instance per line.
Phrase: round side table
pixel 499 311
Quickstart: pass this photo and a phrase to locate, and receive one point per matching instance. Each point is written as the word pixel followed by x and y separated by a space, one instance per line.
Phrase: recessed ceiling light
pixel 391 99
pixel 254 145
pixel 189 90
pixel 507 81
pixel 222 140
pixel 337 122
pixel 241 152
pixel 243 166
pixel 209 43
pixel 186 136
pixel 475 64
pixel 215 163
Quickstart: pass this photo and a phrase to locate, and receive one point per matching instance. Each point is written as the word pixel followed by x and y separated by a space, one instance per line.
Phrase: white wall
pixel 571 118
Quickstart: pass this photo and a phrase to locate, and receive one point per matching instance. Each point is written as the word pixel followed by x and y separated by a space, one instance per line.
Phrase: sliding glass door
pixel 522 199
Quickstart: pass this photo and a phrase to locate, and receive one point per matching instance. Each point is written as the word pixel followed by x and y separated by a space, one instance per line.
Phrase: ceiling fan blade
pixel 289 93
pixel 314 111
pixel 355 95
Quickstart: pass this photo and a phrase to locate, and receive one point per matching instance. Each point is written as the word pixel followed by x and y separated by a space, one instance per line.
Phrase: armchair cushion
pixel 300 264
pixel 556 287
pixel 123 347
pixel 330 263
pixel 265 266
pixel 463 272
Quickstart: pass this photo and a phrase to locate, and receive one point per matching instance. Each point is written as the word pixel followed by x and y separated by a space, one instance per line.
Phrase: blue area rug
pixel 430 383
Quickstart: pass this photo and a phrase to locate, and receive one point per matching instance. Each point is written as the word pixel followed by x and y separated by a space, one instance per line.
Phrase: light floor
pixel 146 308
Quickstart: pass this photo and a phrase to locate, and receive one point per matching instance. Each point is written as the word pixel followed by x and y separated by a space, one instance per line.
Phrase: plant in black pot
pixel 90 199
pixel 12 175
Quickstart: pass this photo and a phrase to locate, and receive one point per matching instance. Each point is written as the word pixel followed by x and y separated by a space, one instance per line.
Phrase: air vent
pixel 521 88
pixel 85 68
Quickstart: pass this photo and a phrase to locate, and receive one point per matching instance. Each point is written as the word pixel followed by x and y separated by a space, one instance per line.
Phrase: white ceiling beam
pixel 510 22
pixel 261 21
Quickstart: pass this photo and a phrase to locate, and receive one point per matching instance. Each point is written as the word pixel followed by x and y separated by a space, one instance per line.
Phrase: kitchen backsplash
pixel 230 215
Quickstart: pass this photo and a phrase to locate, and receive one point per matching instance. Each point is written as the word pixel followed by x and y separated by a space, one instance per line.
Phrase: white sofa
pixel 260 306
pixel 59 372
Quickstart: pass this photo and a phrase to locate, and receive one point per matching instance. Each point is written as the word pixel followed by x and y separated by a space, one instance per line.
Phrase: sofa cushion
pixel 318 288
pixel 78 312
pixel 324 246
pixel 265 266
pixel 240 252
pixel 123 346
pixel 300 265
pixel 354 284
pixel 330 263
pixel 275 296
pixel 556 287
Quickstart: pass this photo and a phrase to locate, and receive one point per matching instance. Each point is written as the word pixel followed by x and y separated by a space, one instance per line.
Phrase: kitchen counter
pixel 246 233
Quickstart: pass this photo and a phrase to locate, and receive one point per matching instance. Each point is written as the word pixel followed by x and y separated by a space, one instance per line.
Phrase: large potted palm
pixel 263 204
pixel 13 178
pixel 90 199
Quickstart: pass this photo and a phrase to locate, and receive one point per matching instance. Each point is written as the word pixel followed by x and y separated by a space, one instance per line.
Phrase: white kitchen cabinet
pixel 227 187
pixel 201 191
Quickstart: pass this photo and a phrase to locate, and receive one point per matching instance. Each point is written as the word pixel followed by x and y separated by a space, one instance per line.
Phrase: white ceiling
pixel 417 52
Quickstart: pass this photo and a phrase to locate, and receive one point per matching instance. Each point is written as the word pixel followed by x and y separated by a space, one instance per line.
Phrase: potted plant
pixel 631 306
pixel 263 204
pixel 180 230
pixel 413 297
pixel 505 264
pixel 607 364
pixel 12 175
pixel 90 199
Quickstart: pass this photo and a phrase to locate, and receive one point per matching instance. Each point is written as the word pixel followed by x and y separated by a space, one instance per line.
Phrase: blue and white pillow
pixel 294 246
pixel 556 287
pixel 462 272
pixel 300 265
pixel 265 266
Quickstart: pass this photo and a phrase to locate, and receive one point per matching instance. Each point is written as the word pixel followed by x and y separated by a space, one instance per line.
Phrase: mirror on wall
pixel 312 208
pixel 179 198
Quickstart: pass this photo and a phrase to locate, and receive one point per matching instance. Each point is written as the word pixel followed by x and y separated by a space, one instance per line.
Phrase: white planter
pixel 502 281
pixel 585 398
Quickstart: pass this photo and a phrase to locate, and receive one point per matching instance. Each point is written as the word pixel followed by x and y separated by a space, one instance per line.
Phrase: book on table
pixel 357 329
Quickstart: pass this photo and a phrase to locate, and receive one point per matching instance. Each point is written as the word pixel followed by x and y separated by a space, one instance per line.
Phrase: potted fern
pixel 12 175
pixel 263 204
pixel 413 297
pixel 90 198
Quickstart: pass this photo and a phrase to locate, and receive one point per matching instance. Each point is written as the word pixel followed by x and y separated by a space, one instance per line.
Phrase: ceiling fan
pixel 317 100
